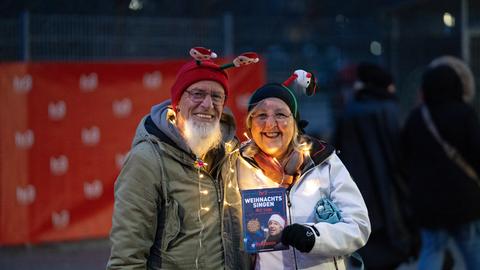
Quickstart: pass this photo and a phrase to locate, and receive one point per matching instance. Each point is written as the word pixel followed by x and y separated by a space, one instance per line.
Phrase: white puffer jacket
pixel 329 179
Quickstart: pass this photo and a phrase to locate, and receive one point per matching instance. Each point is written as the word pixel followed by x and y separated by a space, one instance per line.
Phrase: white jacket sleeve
pixel 352 232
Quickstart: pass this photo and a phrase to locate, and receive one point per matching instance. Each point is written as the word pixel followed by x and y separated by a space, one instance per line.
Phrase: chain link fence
pixel 325 46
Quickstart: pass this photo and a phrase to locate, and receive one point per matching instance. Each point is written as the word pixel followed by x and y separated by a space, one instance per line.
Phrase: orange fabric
pixel 283 172
pixel 65 128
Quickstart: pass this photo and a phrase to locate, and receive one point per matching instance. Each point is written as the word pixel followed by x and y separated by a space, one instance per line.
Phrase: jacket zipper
pixel 220 196
pixel 289 204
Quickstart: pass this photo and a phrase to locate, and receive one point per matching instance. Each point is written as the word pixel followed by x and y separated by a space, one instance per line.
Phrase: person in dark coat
pixel 367 136
pixel 446 200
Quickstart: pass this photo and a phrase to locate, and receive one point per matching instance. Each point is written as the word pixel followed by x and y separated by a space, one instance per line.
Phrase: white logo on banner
pixel 122 108
pixel 26 195
pixel 60 220
pixel 152 80
pixel 91 136
pixel 58 165
pixel 93 190
pixel 24 140
pixel 57 110
pixel 88 83
pixel 22 84
pixel 120 159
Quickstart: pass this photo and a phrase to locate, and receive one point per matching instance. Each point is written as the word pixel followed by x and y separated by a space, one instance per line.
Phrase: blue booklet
pixel 264 217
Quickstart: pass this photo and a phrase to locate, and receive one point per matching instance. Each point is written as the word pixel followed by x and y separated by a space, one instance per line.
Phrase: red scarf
pixel 284 172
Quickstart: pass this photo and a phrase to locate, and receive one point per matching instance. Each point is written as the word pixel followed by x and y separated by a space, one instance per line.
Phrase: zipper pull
pixel 287 193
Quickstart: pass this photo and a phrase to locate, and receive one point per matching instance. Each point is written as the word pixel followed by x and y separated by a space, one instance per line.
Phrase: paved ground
pixel 81 255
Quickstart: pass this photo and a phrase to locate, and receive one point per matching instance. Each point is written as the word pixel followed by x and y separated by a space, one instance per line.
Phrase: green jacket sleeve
pixel 137 201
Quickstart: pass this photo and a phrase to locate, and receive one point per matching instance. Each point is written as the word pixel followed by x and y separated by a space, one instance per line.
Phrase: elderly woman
pixel 311 171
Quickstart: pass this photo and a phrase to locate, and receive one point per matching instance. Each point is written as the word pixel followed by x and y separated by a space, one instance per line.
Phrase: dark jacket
pixel 442 194
pixel 367 136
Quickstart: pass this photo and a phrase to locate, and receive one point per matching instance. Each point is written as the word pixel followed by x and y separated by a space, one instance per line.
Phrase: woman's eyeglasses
pixel 198 96
pixel 262 118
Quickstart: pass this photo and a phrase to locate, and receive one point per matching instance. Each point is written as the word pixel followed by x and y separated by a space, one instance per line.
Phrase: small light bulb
pixel 228 147
pixel 205 208
pixel 205 192
pixel 200 175
pixel 448 19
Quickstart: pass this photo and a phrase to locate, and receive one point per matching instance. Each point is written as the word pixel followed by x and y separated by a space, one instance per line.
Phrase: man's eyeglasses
pixel 261 118
pixel 198 96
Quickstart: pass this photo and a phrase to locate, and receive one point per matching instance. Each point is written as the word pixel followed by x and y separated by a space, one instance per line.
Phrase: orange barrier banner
pixel 65 131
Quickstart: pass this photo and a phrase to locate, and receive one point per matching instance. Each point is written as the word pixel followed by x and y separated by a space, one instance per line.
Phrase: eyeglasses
pixel 198 96
pixel 262 118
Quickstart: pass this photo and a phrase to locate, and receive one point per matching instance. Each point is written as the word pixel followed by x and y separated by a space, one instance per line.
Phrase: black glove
pixel 299 236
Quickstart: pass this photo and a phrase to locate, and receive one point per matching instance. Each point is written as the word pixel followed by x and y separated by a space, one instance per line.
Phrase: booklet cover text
pixel 264 217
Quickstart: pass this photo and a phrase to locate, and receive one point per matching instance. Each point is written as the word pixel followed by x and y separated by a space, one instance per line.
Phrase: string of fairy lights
pixel 232 184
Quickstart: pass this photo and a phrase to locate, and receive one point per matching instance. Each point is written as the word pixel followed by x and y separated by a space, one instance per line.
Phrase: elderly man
pixel 169 211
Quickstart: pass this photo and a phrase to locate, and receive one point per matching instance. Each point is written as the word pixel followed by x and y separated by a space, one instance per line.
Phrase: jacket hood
pixel 162 115
pixel 463 72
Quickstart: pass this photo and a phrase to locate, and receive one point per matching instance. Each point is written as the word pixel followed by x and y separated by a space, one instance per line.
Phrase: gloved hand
pixel 299 236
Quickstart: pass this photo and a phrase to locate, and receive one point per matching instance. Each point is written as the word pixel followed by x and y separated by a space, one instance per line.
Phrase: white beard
pixel 202 137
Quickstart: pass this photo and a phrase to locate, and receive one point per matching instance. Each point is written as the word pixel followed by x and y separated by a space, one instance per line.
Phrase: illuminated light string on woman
pixel 200 165
pixel 314 176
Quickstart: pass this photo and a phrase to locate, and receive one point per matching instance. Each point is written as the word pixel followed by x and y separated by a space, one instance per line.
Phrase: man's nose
pixel 207 102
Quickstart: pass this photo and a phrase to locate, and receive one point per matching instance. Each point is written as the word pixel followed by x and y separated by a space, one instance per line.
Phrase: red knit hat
pixel 204 69
pixel 193 72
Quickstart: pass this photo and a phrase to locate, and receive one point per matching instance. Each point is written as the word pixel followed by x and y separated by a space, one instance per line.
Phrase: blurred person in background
pixel 276 156
pixel 367 136
pixel 169 211
pixel 445 194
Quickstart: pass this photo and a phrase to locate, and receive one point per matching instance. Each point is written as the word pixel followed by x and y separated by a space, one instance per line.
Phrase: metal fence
pixel 324 46
pixel 61 37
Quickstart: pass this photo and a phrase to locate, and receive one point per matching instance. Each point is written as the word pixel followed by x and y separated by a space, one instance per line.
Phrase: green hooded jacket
pixel 169 214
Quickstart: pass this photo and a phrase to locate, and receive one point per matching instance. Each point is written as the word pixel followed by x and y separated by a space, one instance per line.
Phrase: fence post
pixel 465 32
pixel 228 34
pixel 24 36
